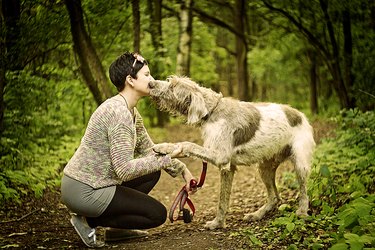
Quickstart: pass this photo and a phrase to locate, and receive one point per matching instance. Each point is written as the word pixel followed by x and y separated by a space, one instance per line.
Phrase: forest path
pixel 46 222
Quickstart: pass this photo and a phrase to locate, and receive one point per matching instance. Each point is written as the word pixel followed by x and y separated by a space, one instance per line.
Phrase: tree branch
pixel 206 17
pixel 314 41
pixel 23 217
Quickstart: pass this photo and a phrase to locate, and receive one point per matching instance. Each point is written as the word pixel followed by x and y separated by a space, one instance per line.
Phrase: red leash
pixel 183 197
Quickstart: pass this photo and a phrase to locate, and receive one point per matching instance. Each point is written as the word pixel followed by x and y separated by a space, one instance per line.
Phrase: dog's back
pixel 259 131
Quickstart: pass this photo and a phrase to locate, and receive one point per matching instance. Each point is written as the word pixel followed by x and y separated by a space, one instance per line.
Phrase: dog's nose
pixel 151 84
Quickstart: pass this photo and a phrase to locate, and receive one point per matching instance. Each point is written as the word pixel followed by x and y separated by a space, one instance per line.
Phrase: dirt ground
pixel 44 223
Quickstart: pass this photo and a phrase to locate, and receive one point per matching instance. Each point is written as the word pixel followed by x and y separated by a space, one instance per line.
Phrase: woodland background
pixel 315 55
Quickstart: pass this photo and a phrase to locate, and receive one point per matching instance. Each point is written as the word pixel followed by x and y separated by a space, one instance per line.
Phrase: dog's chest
pixel 216 133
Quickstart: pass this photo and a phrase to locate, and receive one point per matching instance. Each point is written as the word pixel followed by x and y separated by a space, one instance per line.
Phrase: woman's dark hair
pixel 126 64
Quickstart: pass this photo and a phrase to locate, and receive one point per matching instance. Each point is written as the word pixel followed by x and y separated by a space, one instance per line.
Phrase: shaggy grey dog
pixel 239 133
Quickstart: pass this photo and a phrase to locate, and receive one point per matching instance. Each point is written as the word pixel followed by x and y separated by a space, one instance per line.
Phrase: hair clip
pixel 139 58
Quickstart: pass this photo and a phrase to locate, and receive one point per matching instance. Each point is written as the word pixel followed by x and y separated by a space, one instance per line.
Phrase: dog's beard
pixel 174 109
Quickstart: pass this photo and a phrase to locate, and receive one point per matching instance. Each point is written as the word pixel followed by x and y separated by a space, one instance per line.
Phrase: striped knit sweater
pixel 116 148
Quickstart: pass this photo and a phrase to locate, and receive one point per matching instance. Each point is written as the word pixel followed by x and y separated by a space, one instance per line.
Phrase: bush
pixel 42 131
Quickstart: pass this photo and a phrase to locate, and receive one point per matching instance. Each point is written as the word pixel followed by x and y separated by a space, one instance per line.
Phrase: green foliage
pixel 345 165
pixel 110 27
pixel 44 123
pixel 203 55
pixel 344 179
pixel 341 191
pixel 276 63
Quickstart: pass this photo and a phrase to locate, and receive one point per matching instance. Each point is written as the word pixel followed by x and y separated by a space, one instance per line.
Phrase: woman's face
pixel 143 78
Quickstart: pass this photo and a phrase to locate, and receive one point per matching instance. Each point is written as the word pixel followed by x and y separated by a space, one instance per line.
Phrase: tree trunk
pixel 263 94
pixel 136 26
pixel 241 51
pixel 184 45
pixel 348 52
pixel 158 67
pixel 313 83
pixel 90 65
pixel 229 78
pixel 254 89
pixel 335 68
pixel 10 55
pixel 2 77
pixel 154 8
pixel 11 11
pixel 238 29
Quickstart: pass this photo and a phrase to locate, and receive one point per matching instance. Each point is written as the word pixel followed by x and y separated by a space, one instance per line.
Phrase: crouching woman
pixel 107 181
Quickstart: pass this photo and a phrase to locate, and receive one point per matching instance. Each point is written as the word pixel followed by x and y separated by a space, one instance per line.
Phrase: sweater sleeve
pixel 144 148
pixel 121 140
pixel 176 168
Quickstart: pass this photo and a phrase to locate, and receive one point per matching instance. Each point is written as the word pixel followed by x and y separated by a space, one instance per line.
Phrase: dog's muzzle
pixel 158 88
pixel 151 84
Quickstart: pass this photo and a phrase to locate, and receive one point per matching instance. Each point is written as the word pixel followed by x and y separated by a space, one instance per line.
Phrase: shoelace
pixel 92 234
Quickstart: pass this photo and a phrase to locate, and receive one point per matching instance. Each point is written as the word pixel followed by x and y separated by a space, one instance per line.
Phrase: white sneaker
pixel 84 231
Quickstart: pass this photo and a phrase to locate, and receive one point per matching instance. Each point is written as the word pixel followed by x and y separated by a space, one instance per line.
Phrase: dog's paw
pixel 303 208
pixel 302 213
pixel 253 217
pixel 214 224
pixel 164 148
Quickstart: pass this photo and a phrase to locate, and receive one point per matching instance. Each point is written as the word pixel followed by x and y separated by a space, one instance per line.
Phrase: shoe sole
pixel 124 238
pixel 82 238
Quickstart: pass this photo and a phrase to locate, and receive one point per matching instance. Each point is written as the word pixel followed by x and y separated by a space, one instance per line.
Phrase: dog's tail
pixel 303 146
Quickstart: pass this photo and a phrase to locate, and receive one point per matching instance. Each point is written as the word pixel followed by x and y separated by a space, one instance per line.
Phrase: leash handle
pixel 203 174
pixel 183 197
pixel 194 184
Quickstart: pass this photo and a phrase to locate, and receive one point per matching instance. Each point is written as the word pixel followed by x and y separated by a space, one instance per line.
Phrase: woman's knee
pixel 159 215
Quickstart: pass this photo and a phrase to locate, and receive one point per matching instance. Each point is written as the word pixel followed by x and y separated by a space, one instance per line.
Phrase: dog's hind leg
pixel 226 179
pixel 267 172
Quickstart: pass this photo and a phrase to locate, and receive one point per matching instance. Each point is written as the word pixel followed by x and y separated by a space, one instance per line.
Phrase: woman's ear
pixel 129 80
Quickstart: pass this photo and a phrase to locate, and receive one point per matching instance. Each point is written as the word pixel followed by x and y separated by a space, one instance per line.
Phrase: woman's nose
pixel 151 78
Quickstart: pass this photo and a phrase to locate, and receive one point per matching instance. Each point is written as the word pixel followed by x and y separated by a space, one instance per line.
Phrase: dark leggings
pixel 132 207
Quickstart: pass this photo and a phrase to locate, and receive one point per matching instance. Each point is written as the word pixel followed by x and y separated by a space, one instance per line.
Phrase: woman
pixel 107 181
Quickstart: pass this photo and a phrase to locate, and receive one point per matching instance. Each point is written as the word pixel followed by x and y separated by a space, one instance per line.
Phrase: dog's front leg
pixel 226 179
pixel 218 157
pixel 189 149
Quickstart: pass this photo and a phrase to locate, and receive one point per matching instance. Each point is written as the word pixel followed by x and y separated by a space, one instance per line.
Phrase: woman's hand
pixel 188 177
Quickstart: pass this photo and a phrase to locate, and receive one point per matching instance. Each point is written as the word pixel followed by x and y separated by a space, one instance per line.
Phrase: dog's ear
pixel 197 109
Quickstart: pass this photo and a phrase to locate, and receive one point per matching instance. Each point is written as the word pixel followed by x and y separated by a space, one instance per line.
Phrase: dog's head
pixel 180 95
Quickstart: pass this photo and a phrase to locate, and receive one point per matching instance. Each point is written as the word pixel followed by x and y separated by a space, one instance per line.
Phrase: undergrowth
pixel 341 191
pixel 40 136
pixel 43 170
